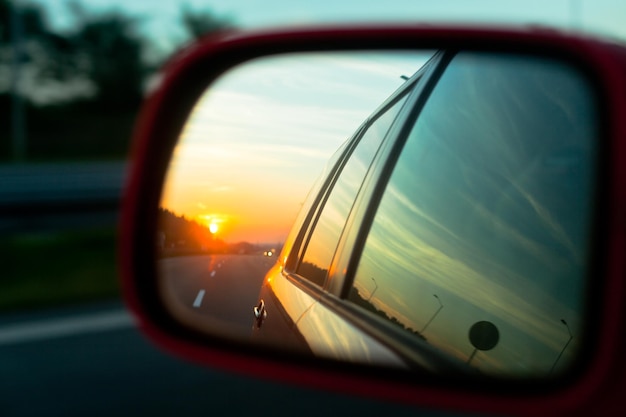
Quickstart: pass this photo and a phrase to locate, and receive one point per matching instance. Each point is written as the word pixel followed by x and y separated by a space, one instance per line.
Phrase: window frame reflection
pixel 429 292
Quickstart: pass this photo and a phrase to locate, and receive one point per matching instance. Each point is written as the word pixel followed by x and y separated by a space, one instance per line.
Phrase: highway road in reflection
pixel 214 292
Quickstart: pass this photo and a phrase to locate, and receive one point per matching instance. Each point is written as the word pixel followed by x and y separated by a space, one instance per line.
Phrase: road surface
pixel 93 361
pixel 217 291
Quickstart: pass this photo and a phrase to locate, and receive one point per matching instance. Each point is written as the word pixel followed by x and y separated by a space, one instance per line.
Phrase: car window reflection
pixel 323 242
pixel 487 214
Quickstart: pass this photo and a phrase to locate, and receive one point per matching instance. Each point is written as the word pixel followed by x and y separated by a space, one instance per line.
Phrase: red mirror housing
pixel 595 388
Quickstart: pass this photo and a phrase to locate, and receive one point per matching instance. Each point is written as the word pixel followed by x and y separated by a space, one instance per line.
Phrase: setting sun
pixel 212 221
pixel 264 162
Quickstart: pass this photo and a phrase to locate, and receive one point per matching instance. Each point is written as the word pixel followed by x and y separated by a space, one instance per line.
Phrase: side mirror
pixel 461 247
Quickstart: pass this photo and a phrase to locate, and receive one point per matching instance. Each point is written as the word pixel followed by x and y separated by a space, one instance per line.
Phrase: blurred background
pixel 73 75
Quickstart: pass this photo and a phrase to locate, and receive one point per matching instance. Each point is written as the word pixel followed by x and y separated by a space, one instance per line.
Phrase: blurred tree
pixel 109 51
pixel 201 23
pixel 81 89
pixel 32 16
pixel 78 92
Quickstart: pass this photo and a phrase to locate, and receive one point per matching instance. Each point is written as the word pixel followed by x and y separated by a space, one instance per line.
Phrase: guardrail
pixel 35 197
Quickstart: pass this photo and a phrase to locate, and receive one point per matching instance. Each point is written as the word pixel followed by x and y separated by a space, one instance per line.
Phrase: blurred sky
pixel 258 139
pixel 161 19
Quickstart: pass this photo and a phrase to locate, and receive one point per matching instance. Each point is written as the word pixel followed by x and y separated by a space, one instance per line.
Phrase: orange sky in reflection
pixel 248 212
pixel 260 136
pixel 250 201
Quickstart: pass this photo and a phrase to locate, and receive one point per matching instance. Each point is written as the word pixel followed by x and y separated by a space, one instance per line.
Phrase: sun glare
pixel 212 221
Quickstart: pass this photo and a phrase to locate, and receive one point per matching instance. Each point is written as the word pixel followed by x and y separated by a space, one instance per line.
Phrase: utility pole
pixel 18 131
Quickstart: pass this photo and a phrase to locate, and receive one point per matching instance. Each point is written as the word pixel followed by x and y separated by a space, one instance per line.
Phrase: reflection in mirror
pixel 245 161
pixel 471 256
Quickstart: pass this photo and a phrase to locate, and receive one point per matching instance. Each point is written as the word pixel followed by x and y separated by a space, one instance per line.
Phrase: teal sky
pixel 161 19
pixel 256 135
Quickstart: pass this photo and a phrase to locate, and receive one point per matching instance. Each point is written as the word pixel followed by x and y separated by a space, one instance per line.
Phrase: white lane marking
pixel 67 326
pixel 212 273
pixel 198 301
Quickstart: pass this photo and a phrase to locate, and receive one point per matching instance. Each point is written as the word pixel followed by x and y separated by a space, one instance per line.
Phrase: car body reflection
pixel 457 240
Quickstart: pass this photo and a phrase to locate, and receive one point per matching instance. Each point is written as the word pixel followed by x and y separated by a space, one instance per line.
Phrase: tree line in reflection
pixel 365 303
pixel 317 275
pixel 179 236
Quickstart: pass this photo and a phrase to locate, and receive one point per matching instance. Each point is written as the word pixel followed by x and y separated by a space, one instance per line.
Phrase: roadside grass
pixel 51 269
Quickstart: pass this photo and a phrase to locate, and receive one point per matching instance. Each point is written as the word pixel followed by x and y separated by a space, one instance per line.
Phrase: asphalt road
pixel 93 361
pixel 220 289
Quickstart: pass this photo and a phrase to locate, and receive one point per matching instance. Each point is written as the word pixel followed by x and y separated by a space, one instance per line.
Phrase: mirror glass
pixel 419 210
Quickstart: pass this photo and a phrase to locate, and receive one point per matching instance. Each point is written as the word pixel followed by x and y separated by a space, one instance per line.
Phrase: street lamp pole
pixel 571 336
pixel 434 315
pixel 372 294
